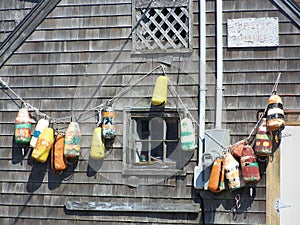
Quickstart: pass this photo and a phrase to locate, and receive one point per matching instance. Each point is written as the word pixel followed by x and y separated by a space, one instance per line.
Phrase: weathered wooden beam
pixel 273 189
pixel 25 28
pixel 130 206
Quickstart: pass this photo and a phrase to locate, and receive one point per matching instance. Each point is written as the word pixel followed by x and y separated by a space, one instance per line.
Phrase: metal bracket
pixel 278 205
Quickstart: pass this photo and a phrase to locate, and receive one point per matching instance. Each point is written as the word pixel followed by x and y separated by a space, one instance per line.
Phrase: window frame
pixel 156 169
pixel 141 4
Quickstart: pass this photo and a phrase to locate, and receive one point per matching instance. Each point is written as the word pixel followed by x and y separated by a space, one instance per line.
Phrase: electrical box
pixel 215 140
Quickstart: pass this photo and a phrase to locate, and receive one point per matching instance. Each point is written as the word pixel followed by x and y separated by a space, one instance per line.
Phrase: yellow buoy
pixel 97 148
pixel 159 96
pixel 43 146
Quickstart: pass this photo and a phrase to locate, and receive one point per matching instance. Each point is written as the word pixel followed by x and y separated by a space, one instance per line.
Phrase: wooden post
pixel 273 189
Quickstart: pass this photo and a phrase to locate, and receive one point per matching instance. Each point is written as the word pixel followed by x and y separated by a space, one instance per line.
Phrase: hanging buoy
pixel 250 169
pixel 43 145
pixel 237 148
pixel 58 161
pixel 23 127
pixel 232 172
pixel 187 135
pixel 216 180
pixel 159 96
pixel 72 141
pixel 41 125
pixel 97 147
pixel 108 123
pixel 263 140
pixel 275 113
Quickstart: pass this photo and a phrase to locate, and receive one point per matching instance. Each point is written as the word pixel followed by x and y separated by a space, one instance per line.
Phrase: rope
pixel 96 108
pixel 125 90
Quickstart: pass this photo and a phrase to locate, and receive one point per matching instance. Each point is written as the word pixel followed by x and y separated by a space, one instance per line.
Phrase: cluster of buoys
pixel 240 164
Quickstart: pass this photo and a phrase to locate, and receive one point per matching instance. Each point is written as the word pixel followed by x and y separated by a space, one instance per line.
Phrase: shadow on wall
pixel 235 203
pixel 39 170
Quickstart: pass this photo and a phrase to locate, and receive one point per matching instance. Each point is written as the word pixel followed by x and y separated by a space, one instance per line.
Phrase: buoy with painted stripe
pixel 23 127
pixel 72 141
pixel 275 113
pixel 187 135
pixel 41 125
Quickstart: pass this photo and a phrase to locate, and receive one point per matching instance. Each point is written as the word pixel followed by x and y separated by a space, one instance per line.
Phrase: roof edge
pixel 291 10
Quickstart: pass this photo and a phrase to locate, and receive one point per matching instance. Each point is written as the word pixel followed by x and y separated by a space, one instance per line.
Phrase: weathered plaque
pixel 253 32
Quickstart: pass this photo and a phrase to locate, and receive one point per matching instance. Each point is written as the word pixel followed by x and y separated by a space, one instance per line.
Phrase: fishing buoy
pixel 108 123
pixel 159 96
pixel 72 141
pixel 250 169
pixel 216 180
pixel 58 161
pixel 187 135
pixel 41 125
pixel 97 147
pixel 237 148
pixel 232 172
pixel 23 127
pixel 275 113
pixel 43 145
pixel 263 140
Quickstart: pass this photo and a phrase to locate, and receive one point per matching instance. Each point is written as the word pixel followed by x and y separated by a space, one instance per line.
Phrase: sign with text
pixel 253 32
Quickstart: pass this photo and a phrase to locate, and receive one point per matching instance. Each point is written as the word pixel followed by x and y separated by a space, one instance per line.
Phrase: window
pixel 162 25
pixel 152 142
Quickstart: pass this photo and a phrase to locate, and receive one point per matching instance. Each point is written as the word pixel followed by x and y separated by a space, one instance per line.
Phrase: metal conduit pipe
pixel 202 74
pixel 219 64
pixel 202 87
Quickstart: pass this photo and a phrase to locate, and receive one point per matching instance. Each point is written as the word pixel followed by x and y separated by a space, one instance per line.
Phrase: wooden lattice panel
pixel 162 28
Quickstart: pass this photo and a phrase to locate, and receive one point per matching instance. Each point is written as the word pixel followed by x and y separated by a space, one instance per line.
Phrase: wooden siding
pixel 79 57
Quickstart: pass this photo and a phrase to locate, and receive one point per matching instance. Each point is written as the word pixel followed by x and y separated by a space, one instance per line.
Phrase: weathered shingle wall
pixel 79 57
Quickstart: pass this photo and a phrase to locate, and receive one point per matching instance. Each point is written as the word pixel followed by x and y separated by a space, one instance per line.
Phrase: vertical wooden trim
pixel 273 189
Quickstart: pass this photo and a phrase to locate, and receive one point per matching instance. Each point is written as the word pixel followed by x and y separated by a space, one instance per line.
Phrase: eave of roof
pixel 290 8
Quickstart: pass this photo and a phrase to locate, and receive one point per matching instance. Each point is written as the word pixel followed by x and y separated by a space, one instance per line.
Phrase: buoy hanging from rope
pixel 43 146
pixel 159 96
pixel 108 123
pixel 41 125
pixel 187 135
pixel 58 161
pixel 263 139
pixel 232 172
pixel 97 147
pixel 72 141
pixel 275 113
pixel 23 127
pixel 250 168
pixel 216 180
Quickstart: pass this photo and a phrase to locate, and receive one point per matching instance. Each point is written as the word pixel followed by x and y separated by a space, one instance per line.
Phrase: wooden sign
pixel 253 32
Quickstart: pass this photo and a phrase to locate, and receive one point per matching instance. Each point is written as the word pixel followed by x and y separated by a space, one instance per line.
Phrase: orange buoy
pixel 58 161
pixel 216 180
